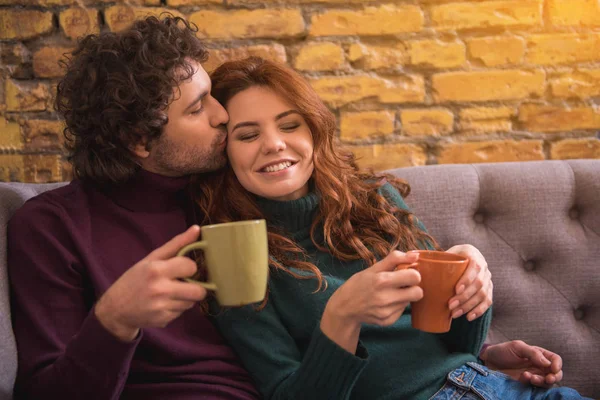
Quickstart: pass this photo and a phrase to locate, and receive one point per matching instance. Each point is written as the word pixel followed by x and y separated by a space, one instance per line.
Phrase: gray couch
pixel 537 223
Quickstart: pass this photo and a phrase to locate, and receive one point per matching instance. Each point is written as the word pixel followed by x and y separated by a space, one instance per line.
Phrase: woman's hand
pixel 474 290
pixel 377 295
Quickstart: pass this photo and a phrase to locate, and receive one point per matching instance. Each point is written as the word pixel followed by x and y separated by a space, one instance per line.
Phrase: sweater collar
pixel 150 192
pixel 293 216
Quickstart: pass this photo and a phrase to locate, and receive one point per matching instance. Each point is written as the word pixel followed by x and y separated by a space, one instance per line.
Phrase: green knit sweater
pixel 289 357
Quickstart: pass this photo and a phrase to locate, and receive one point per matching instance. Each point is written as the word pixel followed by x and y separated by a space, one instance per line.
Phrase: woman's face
pixel 269 145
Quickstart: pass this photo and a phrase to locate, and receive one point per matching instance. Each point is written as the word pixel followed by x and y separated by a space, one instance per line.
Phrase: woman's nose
pixel 273 142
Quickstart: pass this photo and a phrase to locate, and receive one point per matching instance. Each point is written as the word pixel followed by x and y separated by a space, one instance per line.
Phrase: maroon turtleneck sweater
pixel 65 248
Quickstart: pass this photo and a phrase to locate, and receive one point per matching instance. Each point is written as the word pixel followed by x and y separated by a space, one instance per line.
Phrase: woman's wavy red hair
pixel 357 222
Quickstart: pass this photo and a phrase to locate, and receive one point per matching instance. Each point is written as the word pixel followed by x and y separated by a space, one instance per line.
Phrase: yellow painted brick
pixel 474 127
pixel 370 21
pixel 337 91
pixel 26 96
pixel 43 134
pixel 542 118
pixel 486 113
pixel 496 50
pixel 437 53
pixel 567 48
pixel 488 85
pixel 249 24
pixel 377 57
pixel 574 12
pixel 403 89
pixel 248 2
pixel 481 120
pixel 120 17
pixel 46 61
pixel 380 157
pixel 361 125
pixel 320 57
pixel 581 83
pixel 10 136
pixel 274 52
pixel 575 148
pixel 179 3
pixel 431 122
pixel 77 21
pixel 491 151
pixel 42 168
pixel 24 24
pixel 487 14
pixel 12 168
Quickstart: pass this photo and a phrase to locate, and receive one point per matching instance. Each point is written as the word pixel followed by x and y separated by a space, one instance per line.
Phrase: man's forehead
pixel 192 70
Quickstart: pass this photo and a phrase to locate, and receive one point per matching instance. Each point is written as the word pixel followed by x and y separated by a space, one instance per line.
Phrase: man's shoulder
pixel 57 201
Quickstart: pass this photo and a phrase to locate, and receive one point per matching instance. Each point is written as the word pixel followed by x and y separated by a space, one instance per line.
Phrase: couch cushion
pixel 538 225
pixel 12 196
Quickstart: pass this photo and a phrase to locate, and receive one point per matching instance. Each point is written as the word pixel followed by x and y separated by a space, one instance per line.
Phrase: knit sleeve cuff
pixel 329 367
pixel 96 349
pixel 468 336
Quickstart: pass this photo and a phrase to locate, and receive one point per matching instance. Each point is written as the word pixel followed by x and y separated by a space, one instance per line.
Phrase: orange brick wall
pixel 412 82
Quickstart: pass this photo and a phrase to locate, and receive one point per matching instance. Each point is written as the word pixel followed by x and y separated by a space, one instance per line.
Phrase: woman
pixel 336 322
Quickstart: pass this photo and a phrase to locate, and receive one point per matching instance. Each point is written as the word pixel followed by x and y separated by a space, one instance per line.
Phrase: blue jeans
pixel 474 381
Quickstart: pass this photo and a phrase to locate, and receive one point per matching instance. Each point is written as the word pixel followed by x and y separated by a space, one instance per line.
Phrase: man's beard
pixel 179 160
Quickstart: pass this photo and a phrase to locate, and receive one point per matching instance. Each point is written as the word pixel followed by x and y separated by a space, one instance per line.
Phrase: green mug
pixel 237 260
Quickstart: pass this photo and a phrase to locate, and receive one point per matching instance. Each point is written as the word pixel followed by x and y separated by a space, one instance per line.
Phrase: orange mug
pixel 440 272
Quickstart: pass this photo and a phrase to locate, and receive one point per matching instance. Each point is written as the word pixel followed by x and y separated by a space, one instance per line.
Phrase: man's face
pixel 194 139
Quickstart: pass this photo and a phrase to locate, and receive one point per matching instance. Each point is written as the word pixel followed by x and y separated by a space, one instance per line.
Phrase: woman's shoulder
pixel 392 194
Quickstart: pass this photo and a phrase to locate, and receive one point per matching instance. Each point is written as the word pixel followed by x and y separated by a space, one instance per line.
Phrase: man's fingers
pixel 170 249
pixel 178 268
pixel 187 291
pixel 557 377
pixel 556 363
pixel 537 380
pixel 467 277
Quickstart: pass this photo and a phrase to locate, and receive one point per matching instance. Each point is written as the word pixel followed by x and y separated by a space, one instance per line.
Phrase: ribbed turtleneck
pixel 150 192
pixel 293 216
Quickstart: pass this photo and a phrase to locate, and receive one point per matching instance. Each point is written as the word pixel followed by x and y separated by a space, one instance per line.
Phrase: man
pixel 99 309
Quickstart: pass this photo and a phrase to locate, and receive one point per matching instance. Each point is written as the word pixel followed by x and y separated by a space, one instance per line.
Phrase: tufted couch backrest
pixel 538 225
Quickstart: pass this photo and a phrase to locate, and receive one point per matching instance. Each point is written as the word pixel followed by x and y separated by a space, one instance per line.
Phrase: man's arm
pixel 63 350
pixel 523 362
pixel 69 347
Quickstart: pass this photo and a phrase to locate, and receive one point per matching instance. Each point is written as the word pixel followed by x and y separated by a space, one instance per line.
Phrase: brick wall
pixel 412 82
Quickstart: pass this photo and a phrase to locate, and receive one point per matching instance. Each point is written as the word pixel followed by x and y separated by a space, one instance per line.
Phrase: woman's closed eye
pixel 247 136
pixel 289 126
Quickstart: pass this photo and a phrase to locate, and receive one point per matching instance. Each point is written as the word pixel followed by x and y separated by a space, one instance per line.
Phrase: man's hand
pixel 474 290
pixel 525 363
pixel 150 294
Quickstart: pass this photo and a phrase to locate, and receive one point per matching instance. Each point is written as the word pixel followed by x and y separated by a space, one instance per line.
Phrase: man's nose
pixel 219 115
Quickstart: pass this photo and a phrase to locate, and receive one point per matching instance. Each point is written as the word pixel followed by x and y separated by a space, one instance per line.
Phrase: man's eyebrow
pixel 199 98
pixel 254 123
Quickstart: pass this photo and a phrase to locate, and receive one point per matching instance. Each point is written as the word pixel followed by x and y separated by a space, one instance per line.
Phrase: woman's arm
pixel 283 368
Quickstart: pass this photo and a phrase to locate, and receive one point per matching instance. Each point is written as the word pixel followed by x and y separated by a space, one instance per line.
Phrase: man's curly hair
pixel 116 90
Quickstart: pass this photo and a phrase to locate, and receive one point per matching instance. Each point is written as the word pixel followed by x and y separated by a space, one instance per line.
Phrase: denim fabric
pixel 474 381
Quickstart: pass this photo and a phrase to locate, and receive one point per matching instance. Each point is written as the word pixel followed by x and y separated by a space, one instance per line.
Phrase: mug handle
pixel 197 245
